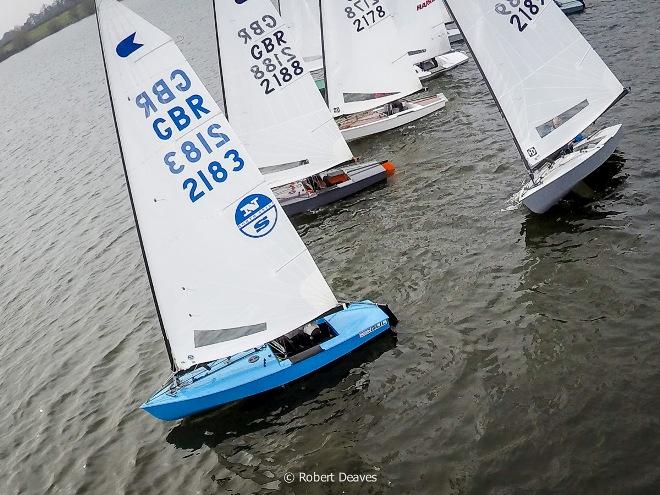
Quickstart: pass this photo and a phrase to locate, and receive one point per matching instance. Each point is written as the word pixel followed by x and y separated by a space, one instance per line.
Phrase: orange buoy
pixel 389 168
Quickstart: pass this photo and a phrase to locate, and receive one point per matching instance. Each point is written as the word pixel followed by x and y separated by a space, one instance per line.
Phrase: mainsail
pixel 302 17
pixel 227 268
pixel 271 99
pixel 422 28
pixel 366 63
pixel 548 81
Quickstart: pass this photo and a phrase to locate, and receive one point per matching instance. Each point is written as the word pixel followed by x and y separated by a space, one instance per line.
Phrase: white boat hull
pixel 557 179
pixel 446 62
pixel 377 121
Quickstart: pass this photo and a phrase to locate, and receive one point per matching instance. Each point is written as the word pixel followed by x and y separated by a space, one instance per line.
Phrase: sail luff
pixel 222 72
pixel 130 196
pixel 492 93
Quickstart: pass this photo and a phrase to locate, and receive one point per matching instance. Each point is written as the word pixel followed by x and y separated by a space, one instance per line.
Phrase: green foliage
pixel 51 19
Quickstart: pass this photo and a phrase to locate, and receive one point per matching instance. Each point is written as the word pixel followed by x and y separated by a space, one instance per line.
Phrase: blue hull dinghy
pixel 237 294
pixel 275 364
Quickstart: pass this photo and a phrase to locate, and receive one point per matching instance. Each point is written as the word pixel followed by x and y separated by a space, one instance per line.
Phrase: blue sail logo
pixel 128 46
pixel 256 215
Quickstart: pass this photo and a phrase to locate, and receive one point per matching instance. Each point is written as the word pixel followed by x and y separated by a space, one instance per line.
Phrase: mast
pixel 130 196
pixel 222 76
pixel 325 73
pixel 483 74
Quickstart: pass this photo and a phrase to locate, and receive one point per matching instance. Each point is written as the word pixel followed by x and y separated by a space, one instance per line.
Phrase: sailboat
pixel 548 92
pixel 452 31
pixel 242 306
pixel 571 6
pixel 367 70
pixel 273 103
pixel 422 28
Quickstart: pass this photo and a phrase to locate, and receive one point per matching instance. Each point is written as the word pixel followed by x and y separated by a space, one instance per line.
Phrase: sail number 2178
pixel 364 13
pixel 520 11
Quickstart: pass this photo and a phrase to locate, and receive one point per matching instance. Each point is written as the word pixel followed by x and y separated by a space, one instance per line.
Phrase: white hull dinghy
pixel 571 6
pixel 558 177
pixel 393 115
pixel 242 306
pixel 273 103
pixel 368 73
pixel 562 89
pixel 433 68
pixel 422 28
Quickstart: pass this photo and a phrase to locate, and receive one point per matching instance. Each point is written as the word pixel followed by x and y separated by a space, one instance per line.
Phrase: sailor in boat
pixel 394 107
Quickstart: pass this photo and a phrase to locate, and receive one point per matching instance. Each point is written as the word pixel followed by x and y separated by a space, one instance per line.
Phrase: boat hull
pixel 557 180
pixel 362 176
pixel 446 62
pixel 571 6
pixel 257 371
pixel 376 122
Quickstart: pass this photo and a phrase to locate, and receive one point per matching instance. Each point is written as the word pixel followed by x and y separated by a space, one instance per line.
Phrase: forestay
pixel 548 80
pixel 302 16
pixel 272 101
pixel 367 64
pixel 422 28
pixel 228 270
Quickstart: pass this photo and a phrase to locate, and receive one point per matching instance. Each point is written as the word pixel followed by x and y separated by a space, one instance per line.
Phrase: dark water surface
pixel 527 356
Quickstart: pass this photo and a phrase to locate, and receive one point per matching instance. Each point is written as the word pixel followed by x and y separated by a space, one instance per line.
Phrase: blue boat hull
pixel 257 371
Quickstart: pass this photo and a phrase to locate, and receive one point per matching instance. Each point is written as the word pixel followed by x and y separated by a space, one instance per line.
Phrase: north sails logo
pixel 424 4
pixel 372 328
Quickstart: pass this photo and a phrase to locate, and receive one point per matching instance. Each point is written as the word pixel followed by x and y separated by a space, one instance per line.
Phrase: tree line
pixel 50 19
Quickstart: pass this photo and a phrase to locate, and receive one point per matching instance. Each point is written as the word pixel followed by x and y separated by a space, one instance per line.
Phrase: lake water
pixel 527 355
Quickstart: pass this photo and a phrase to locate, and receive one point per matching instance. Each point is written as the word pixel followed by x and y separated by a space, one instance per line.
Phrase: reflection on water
pixel 274 408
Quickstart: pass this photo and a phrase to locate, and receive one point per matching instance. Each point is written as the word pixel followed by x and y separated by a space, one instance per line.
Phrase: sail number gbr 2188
pixel 520 12
pixel 276 64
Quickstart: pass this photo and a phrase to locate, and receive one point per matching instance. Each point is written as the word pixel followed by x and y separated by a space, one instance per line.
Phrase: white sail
pixel 302 17
pixel 548 80
pixel 421 27
pixel 366 61
pixel 446 16
pixel 272 101
pixel 228 270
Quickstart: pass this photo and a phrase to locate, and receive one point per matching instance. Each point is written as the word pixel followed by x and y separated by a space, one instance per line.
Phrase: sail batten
pixel 532 58
pixel 273 102
pixel 214 237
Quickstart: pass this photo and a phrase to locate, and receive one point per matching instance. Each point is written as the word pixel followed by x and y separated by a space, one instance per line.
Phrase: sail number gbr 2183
pixel 520 12
pixel 276 64
pixel 195 149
